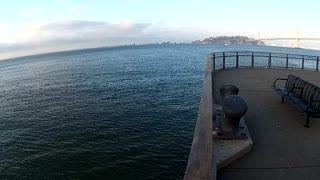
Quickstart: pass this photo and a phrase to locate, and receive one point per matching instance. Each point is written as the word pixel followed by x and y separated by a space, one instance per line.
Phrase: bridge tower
pixel 297 39
pixel 259 41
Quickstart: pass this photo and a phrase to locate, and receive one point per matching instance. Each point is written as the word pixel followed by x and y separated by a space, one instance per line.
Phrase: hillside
pixel 229 40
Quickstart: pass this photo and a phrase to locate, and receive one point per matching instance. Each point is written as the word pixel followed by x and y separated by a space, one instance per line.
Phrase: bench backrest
pixel 310 91
pixel 291 81
pixel 299 83
pixel 316 96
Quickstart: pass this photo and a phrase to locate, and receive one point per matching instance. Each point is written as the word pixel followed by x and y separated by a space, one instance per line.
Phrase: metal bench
pixel 304 96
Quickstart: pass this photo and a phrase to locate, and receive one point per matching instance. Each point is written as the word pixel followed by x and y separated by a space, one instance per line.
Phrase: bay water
pixel 106 113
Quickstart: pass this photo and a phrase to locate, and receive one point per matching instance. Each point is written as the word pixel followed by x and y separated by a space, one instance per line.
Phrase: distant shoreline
pixel 124 46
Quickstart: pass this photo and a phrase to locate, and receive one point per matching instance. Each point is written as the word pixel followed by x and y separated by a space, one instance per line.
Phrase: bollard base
pixel 241 134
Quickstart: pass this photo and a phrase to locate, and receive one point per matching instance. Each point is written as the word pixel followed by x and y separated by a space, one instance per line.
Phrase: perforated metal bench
pixel 304 96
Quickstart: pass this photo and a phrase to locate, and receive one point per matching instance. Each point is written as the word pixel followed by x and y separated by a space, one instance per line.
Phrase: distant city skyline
pixel 32 27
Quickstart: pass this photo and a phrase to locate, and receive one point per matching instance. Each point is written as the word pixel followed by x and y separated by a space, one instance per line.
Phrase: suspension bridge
pixel 297 39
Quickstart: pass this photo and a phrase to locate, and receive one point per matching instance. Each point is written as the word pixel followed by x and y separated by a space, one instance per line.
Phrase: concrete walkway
pixel 283 148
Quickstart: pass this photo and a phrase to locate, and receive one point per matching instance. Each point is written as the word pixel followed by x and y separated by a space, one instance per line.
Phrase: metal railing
pixel 247 59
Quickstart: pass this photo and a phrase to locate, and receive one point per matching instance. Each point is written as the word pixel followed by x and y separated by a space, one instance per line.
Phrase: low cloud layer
pixel 65 35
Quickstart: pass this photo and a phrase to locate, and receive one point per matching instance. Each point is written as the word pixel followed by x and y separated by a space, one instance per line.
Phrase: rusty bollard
pixel 225 90
pixel 234 107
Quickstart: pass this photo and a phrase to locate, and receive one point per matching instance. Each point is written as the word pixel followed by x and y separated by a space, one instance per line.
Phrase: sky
pixel 37 26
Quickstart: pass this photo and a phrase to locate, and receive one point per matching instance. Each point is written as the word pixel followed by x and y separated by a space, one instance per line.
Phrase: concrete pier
pixel 283 147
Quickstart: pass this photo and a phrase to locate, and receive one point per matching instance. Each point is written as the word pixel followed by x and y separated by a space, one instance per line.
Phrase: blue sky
pixel 34 26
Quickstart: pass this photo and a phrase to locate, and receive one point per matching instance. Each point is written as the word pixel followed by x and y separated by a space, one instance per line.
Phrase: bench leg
pixel 307 121
pixel 282 99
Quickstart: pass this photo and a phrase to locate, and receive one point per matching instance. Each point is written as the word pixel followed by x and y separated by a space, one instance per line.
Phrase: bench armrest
pixel 310 103
pixel 274 83
pixel 291 90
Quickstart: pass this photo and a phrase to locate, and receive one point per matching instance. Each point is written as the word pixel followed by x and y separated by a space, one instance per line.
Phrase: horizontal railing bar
pixel 315 58
pixel 260 52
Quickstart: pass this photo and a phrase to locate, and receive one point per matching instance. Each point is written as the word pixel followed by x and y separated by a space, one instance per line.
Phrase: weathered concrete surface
pixel 283 147
pixel 200 157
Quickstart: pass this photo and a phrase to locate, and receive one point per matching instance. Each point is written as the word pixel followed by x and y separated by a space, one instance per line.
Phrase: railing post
pixel 252 61
pixel 287 62
pixel 302 67
pixel 237 61
pixel 317 64
pixel 223 61
pixel 269 61
pixel 214 62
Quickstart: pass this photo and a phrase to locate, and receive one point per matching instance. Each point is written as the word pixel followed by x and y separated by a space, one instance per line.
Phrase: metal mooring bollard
pixel 234 107
pixel 228 89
